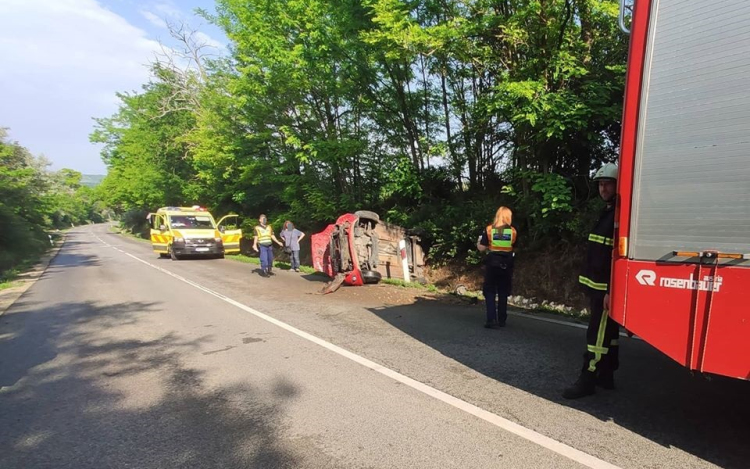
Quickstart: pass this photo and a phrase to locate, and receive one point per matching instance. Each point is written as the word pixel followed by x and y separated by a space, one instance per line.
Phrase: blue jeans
pixel 266 256
pixel 295 259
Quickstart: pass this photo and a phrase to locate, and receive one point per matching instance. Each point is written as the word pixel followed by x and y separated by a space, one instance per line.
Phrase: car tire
pixel 368 215
pixel 371 277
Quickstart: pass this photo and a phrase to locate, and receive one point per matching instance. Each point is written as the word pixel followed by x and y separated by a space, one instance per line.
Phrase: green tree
pixel 34 200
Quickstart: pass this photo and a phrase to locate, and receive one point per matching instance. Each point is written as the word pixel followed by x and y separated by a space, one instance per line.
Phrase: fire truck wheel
pixel 367 215
pixel 371 276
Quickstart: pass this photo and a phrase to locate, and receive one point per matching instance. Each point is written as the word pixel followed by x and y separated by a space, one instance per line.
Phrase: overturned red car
pixel 360 249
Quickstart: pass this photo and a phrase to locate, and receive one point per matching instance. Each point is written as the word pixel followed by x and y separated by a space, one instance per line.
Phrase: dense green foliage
pixel 34 200
pixel 430 112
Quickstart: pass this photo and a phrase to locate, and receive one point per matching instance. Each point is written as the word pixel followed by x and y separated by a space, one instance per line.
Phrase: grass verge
pixel 8 278
pixel 416 285
pixel 8 284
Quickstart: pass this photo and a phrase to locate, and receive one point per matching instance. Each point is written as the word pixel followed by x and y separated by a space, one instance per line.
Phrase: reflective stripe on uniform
pixel 595 349
pixel 598 350
pixel 601 240
pixel 591 284
pixel 500 241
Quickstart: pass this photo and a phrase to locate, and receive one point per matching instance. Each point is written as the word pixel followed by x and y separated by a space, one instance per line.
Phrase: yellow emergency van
pixel 177 232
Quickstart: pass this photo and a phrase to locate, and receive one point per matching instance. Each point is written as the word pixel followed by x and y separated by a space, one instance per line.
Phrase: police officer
pixel 601 358
pixel 498 238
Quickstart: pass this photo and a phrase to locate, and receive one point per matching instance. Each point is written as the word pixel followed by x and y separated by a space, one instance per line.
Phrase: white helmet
pixel 608 171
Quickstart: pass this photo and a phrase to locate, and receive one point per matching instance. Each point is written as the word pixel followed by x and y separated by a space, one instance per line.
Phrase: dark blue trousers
pixel 266 256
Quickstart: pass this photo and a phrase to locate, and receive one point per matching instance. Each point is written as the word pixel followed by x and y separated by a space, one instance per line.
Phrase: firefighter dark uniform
pixel 602 349
pixel 498 276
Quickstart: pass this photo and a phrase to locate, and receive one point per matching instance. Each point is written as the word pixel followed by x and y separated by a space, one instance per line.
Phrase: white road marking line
pixel 500 422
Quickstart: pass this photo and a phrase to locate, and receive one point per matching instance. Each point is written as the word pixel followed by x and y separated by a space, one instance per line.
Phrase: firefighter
pixel 602 350
pixel 265 238
pixel 498 238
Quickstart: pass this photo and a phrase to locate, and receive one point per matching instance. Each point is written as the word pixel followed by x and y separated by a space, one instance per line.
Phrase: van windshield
pixel 188 222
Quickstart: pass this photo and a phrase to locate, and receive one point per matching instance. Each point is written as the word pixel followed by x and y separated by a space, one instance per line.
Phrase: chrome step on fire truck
pixel 681 267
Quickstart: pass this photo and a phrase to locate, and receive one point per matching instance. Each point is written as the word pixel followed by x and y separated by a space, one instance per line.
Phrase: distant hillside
pixel 91 180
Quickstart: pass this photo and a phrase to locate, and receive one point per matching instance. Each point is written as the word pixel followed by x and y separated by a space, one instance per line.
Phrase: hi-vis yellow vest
pixel 501 240
pixel 264 235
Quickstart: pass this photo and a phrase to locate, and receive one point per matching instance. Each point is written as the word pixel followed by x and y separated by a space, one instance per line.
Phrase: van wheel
pixel 174 256
pixel 163 255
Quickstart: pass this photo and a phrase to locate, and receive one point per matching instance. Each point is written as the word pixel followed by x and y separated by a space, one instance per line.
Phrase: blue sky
pixel 62 61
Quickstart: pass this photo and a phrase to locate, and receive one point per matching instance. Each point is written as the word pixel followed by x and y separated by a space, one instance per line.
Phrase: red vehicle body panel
pixel 321 256
pixel 321 250
pixel 697 314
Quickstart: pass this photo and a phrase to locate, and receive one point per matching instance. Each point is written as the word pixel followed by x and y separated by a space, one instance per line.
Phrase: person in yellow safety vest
pixel 264 238
pixel 601 358
pixel 498 238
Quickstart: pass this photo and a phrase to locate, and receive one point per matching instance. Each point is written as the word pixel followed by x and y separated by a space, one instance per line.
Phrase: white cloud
pixel 169 9
pixel 154 19
pixel 62 62
pixel 209 41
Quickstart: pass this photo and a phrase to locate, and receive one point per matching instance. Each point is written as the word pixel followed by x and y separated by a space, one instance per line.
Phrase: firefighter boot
pixel 584 386
pixel 606 379
pixel 605 373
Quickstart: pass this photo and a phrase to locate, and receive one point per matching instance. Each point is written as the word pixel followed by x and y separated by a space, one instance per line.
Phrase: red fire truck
pixel 681 268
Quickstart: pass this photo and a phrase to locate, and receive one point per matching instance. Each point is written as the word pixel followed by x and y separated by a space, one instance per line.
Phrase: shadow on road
pixel 317 278
pixel 62 404
pixel 656 398
pixel 67 259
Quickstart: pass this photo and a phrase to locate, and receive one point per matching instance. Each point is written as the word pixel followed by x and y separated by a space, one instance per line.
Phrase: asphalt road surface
pixel 116 358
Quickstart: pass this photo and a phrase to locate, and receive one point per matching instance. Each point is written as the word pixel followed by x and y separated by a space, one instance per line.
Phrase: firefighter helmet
pixel 608 171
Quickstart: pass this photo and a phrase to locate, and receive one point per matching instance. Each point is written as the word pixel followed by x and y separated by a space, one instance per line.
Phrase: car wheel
pixel 371 276
pixel 367 215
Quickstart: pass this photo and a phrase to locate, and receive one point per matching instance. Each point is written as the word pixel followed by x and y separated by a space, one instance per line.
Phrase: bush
pixel 134 221
pixel 19 240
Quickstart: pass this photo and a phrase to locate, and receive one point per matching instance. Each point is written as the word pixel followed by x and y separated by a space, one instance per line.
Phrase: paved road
pixel 117 359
